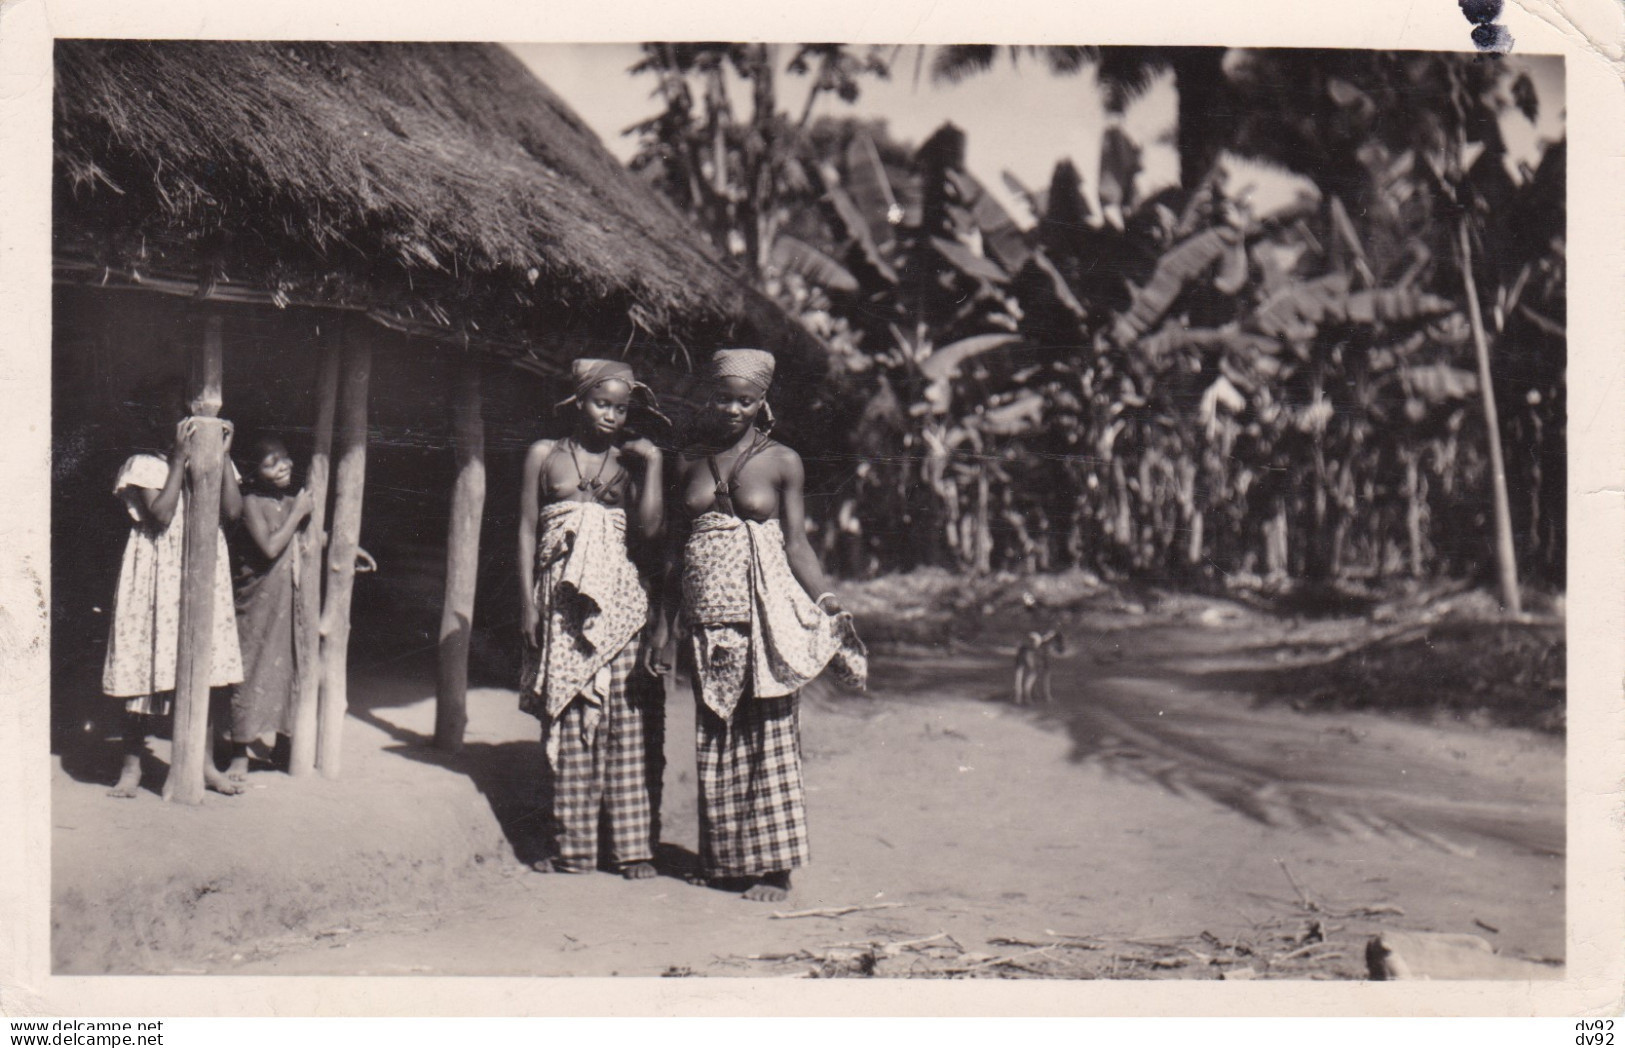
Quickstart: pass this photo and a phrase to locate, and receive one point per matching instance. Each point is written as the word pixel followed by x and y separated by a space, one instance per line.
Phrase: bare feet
pixel 553 865
pixel 220 783
pixel 771 887
pixel 129 779
pixel 638 871
pixel 237 771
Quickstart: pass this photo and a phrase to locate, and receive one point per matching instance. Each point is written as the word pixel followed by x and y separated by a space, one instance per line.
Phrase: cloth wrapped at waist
pixel 590 605
pixel 753 624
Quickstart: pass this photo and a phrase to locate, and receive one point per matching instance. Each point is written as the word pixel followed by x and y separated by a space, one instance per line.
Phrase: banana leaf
pixel 1395 306
pixel 1297 311
pixel 855 227
pixel 944 363
pixel 1438 383
pixel 870 188
pixel 1037 202
pixel 999 231
pixel 969 262
pixel 795 255
pixel 1058 285
pixel 1181 264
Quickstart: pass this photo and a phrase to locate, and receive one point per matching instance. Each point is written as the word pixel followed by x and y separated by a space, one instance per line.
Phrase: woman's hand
pixel 659 653
pixel 178 455
pixel 303 505
pixel 529 620
pixel 640 450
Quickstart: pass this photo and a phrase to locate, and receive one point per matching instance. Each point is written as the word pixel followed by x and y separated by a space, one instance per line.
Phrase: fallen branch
pixel 835 911
pixel 997 961
pixel 891 948
pixel 1076 944
pixel 1303 951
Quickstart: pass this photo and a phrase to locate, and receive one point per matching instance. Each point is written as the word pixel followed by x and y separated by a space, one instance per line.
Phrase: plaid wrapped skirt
pixel 610 774
pixel 753 816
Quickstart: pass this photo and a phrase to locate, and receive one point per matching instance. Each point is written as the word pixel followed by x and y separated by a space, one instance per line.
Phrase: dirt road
pixel 1156 809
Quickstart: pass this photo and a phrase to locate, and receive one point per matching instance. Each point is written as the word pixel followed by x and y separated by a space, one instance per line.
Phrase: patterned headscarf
pixel 589 373
pixel 754 366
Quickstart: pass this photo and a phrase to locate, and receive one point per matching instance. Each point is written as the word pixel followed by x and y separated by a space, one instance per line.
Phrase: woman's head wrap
pixel 755 366
pixel 588 374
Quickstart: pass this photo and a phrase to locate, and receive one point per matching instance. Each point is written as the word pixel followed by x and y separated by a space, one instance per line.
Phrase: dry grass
pixel 442 181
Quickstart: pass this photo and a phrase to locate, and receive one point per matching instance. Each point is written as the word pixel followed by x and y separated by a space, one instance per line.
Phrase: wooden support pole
pixel 349 479
pixel 1505 556
pixel 308 643
pixel 462 560
pixel 204 447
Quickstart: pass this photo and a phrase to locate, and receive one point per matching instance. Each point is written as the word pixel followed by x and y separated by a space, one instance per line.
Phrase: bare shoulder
pixel 538 452
pixel 785 460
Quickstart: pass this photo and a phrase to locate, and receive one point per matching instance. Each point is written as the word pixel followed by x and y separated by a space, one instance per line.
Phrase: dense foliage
pixel 1176 386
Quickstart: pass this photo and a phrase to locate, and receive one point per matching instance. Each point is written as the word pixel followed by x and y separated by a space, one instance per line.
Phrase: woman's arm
pixel 793 520
pixel 529 493
pixel 231 494
pixel 160 504
pixel 651 497
pixel 273 540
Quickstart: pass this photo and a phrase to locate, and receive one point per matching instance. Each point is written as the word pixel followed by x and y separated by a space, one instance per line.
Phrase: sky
pixel 1020 118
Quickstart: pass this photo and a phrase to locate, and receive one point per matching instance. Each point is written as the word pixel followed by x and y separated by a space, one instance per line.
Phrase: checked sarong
pixel 606 767
pixel 753 816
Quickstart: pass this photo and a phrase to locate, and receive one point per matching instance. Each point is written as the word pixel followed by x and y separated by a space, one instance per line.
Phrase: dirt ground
pixel 1167 816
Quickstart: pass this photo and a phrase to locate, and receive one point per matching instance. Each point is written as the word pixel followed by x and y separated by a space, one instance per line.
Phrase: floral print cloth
pixel 591 605
pixel 753 624
pixel 142 647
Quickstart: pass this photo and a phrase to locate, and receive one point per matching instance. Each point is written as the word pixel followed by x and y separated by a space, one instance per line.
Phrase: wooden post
pixel 1505 556
pixel 349 479
pixel 306 720
pixel 204 451
pixel 462 560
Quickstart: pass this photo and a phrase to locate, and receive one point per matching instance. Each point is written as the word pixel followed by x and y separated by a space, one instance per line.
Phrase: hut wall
pixel 114 351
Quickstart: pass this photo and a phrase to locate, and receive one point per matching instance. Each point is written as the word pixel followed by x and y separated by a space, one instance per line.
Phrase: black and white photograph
pixel 1039 511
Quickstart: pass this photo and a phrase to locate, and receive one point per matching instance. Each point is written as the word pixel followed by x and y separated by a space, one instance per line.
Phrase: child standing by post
pixel 585 610
pixel 142 647
pixel 271 634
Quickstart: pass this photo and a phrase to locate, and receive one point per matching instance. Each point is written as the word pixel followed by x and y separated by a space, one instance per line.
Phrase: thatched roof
pixel 438 184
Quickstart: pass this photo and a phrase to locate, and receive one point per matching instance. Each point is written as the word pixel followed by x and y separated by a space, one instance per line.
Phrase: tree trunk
pixel 983 547
pixel 1413 513
pixel 1201 85
pixel 349 480
pixel 306 720
pixel 1277 548
pixel 462 560
pixel 1505 557
pixel 205 460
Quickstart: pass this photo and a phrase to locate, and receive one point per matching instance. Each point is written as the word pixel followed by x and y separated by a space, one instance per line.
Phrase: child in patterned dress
pixel 143 643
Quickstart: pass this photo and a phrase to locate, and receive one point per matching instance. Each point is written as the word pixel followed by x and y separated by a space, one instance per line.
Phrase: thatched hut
pixel 431 216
